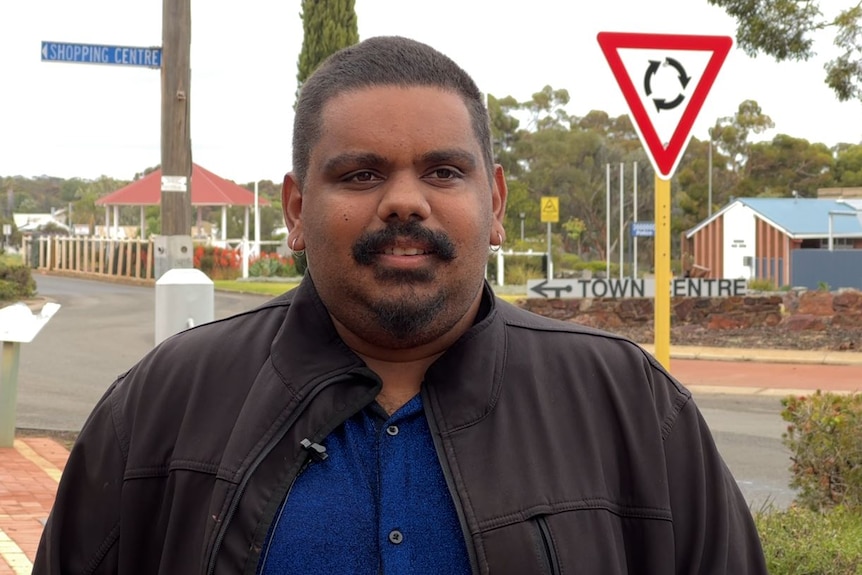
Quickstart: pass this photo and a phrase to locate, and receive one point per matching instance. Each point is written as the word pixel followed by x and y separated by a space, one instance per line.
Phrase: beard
pixel 404 316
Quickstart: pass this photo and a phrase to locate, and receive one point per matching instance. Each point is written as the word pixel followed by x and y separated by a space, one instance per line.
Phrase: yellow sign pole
pixel 550 213
pixel 662 272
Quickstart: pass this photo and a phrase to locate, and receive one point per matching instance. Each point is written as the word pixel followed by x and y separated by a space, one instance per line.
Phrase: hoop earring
pixel 296 252
pixel 498 247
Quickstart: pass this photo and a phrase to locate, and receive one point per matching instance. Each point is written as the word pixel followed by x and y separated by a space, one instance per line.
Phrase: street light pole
pixel 709 179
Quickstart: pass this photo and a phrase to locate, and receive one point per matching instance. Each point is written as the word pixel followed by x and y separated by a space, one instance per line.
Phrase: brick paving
pixel 29 473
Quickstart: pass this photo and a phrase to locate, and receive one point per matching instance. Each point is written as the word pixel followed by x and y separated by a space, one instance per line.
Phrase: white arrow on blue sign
pixel 98 54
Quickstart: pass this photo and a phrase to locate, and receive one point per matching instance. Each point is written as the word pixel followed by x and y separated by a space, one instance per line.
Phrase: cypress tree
pixel 327 26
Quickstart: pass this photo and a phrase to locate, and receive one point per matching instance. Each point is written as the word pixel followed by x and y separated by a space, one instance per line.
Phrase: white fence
pixel 91 256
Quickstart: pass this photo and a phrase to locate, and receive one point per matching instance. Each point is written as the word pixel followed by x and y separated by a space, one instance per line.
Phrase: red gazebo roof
pixel 208 189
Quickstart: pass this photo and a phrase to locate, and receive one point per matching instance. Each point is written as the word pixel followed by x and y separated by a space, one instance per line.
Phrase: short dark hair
pixel 382 61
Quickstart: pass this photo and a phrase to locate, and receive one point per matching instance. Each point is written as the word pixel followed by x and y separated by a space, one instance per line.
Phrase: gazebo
pixel 207 189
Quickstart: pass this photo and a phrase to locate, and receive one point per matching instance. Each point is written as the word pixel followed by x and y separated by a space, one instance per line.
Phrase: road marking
pixel 25 450
pixel 14 555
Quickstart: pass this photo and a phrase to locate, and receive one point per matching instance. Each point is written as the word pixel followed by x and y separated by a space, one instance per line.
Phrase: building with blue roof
pixel 760 238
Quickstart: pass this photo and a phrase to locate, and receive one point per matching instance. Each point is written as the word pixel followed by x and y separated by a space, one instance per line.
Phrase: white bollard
pixel 184 298
pixel 17 325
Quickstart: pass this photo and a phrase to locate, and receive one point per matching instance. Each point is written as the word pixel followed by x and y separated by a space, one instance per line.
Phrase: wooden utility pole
pixel 176 139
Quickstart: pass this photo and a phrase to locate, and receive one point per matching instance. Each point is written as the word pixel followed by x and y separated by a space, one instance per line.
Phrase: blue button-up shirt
pixel 377 504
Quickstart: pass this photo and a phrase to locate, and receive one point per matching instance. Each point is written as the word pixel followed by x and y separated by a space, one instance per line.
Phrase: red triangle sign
pixel 674 74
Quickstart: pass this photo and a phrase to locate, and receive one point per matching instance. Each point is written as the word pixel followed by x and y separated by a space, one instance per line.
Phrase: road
pixel 103 328
pixel 747 430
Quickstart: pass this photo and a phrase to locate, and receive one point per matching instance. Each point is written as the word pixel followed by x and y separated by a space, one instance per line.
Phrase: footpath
pixel 31 469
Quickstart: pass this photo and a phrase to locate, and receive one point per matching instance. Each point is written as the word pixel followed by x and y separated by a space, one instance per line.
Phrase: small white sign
pixel 174 184
pixel 7 229
pixel 19 324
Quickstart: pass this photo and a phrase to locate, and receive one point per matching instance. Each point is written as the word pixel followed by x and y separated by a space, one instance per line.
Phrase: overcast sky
pixel 75 120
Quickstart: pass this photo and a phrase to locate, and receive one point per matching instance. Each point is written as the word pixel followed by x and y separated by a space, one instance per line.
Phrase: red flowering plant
pixel 217 263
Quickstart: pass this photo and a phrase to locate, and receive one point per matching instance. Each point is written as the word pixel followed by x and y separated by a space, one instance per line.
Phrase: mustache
pixel 370 244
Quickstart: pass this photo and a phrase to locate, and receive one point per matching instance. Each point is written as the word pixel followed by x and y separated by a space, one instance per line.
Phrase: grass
pixel 802 542
pixel 270 288
pixel 274 288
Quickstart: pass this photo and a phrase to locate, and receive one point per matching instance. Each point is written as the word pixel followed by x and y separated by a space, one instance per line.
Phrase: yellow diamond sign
pixel 550 209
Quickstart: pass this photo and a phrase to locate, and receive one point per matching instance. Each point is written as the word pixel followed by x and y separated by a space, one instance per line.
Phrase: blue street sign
pixel 97 54
pixel 643 229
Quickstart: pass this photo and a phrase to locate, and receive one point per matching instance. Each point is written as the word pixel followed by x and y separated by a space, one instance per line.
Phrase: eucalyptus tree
pixel 786 30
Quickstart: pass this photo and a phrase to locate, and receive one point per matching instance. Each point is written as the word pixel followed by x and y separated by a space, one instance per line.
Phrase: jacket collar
pixel 307 349
pixel 464 382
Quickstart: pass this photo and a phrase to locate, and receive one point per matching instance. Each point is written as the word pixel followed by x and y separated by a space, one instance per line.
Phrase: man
pixel 390 415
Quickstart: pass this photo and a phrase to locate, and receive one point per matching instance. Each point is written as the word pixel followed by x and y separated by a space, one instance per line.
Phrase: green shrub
pixel 761 285
pixel 519 274
pixel 567 261
pixel 799 541
pixel 11 259
pixel 272 265
pixel 825 440
pixel 519 269
pixel 16 282
pixel 8 291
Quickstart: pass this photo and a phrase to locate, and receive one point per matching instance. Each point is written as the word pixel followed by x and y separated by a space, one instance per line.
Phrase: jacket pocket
pixel 579 542
pixel 546 550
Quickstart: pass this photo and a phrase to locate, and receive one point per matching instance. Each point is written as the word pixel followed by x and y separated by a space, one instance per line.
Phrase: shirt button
pixel 392 430
pixel 396 537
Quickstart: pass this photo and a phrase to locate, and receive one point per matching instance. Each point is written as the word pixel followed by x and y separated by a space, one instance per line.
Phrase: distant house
pixel 29 223
pixel 755 238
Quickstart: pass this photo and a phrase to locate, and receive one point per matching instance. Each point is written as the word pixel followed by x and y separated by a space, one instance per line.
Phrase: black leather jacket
pixel 566 450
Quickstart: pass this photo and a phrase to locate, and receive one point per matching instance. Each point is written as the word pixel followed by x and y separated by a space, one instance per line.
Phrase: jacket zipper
pixel 303 466
pixel 257 461
pixel 550 552
pixel 450 483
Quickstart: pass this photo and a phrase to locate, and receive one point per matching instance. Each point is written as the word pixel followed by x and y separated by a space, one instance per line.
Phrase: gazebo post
pixel 107 220
pixel 143 223
pixel 224 223
pixel 245 246
pixel 116 233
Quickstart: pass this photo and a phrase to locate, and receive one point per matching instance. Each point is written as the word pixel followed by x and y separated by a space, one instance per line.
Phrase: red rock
pixel 849 300
pixel 816 303
pixel 804 322
pixel 723 321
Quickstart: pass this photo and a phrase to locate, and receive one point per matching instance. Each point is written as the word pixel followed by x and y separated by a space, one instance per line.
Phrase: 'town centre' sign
pixel 630 288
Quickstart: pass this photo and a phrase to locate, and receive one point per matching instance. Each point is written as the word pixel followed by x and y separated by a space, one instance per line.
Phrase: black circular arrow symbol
pixel 661 103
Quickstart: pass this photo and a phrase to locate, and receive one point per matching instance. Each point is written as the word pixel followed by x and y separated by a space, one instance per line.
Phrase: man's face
pixel 397 213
